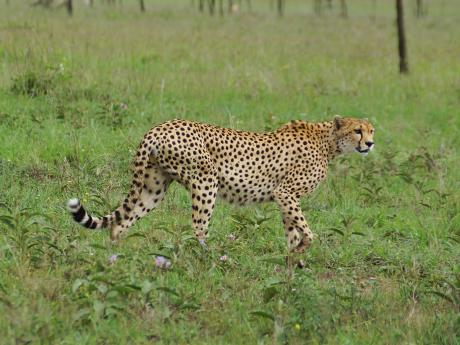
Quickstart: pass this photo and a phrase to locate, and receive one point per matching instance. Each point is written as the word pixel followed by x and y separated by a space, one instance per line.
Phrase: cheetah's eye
pixel 358 131
pixel 372 131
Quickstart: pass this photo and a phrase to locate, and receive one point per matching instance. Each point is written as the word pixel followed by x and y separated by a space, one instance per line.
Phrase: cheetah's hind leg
pixel 156 182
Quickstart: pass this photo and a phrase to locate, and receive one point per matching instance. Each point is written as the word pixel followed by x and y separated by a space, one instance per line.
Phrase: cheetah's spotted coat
pixel 240 167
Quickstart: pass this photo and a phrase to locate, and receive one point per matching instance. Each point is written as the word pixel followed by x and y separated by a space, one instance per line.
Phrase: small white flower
pixel 162 262
pixel 113 258
pixel 223 258
pixel 231 237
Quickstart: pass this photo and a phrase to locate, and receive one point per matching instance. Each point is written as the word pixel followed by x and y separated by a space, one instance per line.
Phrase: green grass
pixel 76 96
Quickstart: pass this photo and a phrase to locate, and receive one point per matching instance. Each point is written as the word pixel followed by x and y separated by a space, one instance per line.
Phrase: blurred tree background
pixel 236 7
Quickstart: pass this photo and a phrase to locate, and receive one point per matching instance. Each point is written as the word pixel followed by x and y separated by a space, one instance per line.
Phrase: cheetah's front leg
pixel 204 191
pixel 298 234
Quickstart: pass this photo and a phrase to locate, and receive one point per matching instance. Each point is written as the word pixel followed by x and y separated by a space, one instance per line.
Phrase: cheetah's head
pixel 354 135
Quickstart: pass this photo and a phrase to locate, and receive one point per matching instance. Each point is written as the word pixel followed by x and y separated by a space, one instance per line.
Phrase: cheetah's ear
pixel 338 121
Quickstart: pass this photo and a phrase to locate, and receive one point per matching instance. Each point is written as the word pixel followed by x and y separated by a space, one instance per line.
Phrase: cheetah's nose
pixel 369 143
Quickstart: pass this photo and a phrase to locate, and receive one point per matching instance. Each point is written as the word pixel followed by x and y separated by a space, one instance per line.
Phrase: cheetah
pixel 237 166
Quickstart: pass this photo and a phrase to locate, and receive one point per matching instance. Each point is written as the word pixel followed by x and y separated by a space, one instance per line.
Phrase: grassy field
pixel 76 96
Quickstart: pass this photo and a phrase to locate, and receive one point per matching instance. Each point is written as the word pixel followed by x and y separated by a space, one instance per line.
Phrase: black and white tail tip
pixel 79 214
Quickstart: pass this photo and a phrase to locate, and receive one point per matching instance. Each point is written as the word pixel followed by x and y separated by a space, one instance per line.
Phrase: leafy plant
pixel 33 84
pixel 25 231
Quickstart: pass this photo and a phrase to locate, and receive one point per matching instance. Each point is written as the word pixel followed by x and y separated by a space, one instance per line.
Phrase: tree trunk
pixel 201 5
pixel 318 6
pixel 280 7
pixel 329 4
pixel 343 9
pixel 402 50
pixel 221 8
pixel 142 5
pixel 374 9
pixel 230 6
pixel 249 4
pixel 212 6
pixel 69 7
pixel 419 9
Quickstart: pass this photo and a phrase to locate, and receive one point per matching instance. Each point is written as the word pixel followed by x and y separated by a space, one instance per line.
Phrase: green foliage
pixel 32 84
pixel 76 97
pixel 37 83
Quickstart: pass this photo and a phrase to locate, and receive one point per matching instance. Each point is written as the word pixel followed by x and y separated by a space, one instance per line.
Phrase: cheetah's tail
pixel 82 217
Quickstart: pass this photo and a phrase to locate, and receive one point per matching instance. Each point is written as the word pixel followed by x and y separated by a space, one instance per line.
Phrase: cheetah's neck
pixel 324 131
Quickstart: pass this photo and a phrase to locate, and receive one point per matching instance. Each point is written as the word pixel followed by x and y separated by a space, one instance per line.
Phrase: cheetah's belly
pixel 244 193
pixel 246 186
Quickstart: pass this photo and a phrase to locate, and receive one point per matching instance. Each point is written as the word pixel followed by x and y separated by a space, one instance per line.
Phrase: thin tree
pixel 402 49
pixel 343 9
pixel 374 9
pixel 318 6
pixel 44 3
pixel 419 8
pixel 280 7
pixel 230 6
pixel 212 6
pixel 141 2
pixel 221 8
pixel 201 5
pixel 249 5
pixel 69 7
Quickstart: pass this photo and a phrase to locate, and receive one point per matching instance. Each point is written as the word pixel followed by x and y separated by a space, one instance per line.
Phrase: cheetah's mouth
pixel 362 152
